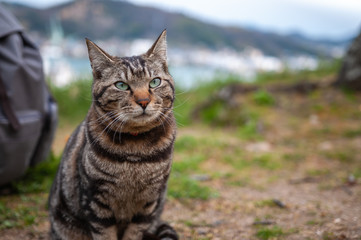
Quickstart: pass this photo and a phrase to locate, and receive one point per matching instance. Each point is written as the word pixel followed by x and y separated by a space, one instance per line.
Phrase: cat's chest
pixel 131 181
pixel 137 177
pixel 138 185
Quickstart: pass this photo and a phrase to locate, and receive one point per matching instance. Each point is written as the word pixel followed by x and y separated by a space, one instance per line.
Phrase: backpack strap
pixel 6 106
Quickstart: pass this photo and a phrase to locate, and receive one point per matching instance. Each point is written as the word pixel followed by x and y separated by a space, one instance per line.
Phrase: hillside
pixel 105 19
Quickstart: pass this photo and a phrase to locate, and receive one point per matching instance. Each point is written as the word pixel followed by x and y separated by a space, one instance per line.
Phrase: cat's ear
pixel 159 48
pixel 99 59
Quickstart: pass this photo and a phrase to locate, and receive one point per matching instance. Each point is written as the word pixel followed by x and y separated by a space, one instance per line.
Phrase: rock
pixel 337 220
pixel 325 146
pixel 201 177
pixel 314 120
pixel 350 73
pixel 258 147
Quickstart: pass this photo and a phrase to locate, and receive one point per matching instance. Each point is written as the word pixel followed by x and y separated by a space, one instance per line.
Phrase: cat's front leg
pixel 109 233
pixel 135 231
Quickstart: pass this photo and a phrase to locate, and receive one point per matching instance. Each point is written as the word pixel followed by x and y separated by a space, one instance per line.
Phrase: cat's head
pixel 137 93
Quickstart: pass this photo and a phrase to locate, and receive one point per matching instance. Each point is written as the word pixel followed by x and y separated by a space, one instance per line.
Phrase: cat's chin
pixel 143 122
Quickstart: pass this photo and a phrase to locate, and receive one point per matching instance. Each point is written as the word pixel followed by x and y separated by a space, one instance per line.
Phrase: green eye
pixel 122 86
pixel 154 83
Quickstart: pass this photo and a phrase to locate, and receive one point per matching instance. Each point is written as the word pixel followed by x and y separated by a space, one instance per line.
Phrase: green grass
pixel 238 162
pixel 266 233
pixel 181 184
pixel 73 101
pixel 186 143
pixel 39 178
pixel 263 98
pixel 24 214
pixel 266 161
pixel 184 187
pixel 352 133
pixel 344 155
pixel 190 164
pixel 249 130
pixel 294 157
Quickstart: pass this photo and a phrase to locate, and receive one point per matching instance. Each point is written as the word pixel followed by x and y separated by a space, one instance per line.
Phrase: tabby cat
pixel 112 179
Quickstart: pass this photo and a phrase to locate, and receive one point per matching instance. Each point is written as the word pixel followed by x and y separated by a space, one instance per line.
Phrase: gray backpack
pixel 28 113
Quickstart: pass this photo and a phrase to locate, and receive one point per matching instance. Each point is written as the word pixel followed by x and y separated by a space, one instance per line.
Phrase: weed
pixel 265 203
pixel 239 182
pixel 237 162
pixel 38 178
pixel 318 172
pixel 345 156
pixel 186 143
pixel 263 98
pixel 318 107
pixel 266 233
pixel 78 92
pixel 18 216
pixel 249 131
pixel 190 164
pixel 185 187
pixel 266 161
pixel 352 133
pixel 294 157
pixel 328 236
pixel 312 222
pixel 357 172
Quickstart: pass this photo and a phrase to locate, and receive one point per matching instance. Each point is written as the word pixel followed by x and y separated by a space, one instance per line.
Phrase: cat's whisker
pixel 182 103
pixel 103 116
pixel 105 129
pixel 181 93
pixel 122 122
pixel 178 114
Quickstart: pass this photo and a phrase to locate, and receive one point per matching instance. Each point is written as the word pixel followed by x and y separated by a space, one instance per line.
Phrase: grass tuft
pixel 266 233
pixel 39 178
pixel 263 98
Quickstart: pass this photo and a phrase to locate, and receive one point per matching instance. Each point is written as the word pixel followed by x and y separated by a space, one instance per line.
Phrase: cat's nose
pixel 143 102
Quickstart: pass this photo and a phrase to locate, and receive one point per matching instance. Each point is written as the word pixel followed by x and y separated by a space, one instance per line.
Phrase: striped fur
pixel 112 179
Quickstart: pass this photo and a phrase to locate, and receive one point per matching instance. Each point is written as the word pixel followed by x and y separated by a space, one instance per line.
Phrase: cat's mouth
pixel 145 115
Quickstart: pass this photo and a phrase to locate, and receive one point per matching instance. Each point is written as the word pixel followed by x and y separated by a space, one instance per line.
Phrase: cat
pixel 112 179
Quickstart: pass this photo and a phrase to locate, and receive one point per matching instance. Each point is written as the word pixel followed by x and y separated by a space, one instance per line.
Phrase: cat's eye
pixel 122 86
pixel 154 83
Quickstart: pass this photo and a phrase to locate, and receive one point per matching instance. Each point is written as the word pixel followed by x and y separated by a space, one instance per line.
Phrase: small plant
pixel 185 143
pixel 78 92
pixel 266 161
pixel 268 233
pixel 185 187
pixel 38 178
pixel 236 161
pixel 17 216
pixel 190 164
pixel 249 131
pixel 263 98
pixel 353 133
pixel 345 156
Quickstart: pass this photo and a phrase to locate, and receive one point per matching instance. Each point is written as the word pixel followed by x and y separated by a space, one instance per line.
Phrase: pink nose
pixel 143 102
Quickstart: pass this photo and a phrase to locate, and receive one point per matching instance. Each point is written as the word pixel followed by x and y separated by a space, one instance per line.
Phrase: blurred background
pixel 267 104
pixel 237 37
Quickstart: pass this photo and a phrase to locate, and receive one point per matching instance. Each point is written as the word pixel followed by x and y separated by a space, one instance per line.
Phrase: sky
pixel 318 19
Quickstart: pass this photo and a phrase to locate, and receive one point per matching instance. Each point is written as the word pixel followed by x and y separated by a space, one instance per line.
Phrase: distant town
pixel 65 59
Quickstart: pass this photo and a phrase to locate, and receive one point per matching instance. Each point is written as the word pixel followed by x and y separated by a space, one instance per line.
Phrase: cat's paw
pixel 166 232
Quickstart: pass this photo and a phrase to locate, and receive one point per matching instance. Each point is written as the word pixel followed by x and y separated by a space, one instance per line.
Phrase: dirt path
pixel 308 214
